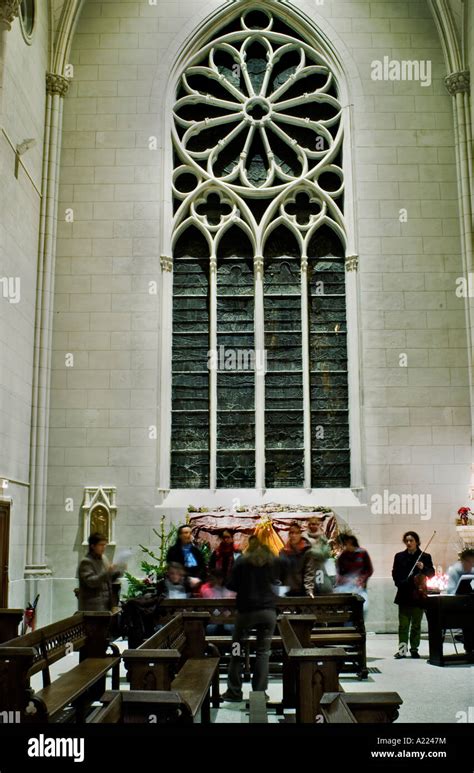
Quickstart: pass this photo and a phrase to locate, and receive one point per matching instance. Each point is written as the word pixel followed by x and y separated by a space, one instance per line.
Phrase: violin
pixel 420 591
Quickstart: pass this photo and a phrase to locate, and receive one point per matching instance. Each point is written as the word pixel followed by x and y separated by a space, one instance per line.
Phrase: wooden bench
pixel 21 658
pixel 177 658
pixel 10 619
pixel 311 671
pixel 143 707
pixel 334 709
pixel 348 708
pixel 335 620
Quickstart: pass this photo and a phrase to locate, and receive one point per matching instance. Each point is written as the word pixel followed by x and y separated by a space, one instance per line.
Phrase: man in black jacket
pixel 188 555
pixel 407 565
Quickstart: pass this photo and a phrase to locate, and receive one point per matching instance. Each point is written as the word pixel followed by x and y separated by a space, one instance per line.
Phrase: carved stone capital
pixel 213 265
pixel 304 264
pixel 258 264
pixel 352 263
pixel 458 82
pixel 166 263
pixel 57 84
pixel 9 10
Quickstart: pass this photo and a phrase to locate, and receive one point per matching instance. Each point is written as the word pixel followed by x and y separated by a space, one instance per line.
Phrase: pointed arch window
pixel 259 382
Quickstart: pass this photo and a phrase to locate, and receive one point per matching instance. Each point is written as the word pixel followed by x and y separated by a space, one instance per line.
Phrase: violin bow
pixel 422 552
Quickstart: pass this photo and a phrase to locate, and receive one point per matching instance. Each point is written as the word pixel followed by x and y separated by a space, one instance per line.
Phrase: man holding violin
pixel 410 570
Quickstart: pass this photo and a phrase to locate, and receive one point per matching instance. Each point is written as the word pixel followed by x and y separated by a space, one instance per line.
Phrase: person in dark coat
pixel 293 560
pixel 253 577
pixel 224 556
pixel 188 555
pixel 410 603
pixel 96 577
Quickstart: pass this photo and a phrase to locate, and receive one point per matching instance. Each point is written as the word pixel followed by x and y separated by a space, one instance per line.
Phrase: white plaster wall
pixel 22 106
pixel 416 426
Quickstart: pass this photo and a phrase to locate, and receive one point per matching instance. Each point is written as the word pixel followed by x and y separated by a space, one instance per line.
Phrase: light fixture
pixel 21 149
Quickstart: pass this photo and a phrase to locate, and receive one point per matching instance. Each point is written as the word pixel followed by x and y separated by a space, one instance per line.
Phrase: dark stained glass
pixel 190 374
pixel 330 457
pixel 236 363
pixel 284 440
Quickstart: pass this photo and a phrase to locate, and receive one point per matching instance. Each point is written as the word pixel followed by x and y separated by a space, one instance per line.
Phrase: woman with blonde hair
pixel 253 577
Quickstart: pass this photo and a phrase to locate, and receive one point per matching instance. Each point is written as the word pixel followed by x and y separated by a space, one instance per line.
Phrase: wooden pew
pixel 143 707
pixel 310 672
pixel 21 658
pixel 10 619
pixel 349 637
pixel 335 620
pixel 345 708
pixel 177 658
pixel 334 709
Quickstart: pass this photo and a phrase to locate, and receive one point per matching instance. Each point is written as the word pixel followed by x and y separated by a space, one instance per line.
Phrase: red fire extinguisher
pixel 29 616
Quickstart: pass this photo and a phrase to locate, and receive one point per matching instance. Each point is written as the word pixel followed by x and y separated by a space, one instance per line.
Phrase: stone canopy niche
pixel 99 511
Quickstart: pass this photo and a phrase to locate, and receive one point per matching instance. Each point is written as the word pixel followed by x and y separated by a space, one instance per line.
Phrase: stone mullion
pixel 353 367
pixel 213 374
pixel 259 322
pixel 306 362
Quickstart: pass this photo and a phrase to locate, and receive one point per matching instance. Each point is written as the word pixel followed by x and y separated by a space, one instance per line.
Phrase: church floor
pixel 430 694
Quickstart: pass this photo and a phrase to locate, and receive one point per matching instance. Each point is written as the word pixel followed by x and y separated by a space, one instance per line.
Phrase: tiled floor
pixel 430 694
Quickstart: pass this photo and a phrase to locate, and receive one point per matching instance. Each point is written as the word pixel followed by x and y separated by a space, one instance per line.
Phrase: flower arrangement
pixel 464 517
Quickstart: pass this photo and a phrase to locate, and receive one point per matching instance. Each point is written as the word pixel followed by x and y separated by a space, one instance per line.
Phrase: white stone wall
pixel 22 104
pixel 416 426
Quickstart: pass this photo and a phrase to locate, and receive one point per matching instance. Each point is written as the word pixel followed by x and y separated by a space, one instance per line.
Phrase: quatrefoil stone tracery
pixel 257 121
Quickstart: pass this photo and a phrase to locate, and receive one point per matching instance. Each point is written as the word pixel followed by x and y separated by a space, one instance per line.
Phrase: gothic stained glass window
pixel 258 261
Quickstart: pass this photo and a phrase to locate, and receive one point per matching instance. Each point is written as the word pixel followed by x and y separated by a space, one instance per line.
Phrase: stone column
pixel 37 572
pixel 458 85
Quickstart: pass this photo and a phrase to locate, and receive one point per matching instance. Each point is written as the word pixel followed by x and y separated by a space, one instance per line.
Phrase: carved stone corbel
pixel 458 82
pixel 166 263
pixel 57 84
pixel 352 263
pixel 9 10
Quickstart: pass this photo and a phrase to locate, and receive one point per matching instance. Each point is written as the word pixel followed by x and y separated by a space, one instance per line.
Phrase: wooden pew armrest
pixel 134 656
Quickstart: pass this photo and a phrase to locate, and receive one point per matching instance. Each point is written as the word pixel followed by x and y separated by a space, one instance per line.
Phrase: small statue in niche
pixel 100 520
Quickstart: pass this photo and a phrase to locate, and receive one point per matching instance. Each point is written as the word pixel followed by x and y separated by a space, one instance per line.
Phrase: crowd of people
pixel 256 577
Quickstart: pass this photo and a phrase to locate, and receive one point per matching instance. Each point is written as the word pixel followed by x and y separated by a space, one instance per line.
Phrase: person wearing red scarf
pixel 223 558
